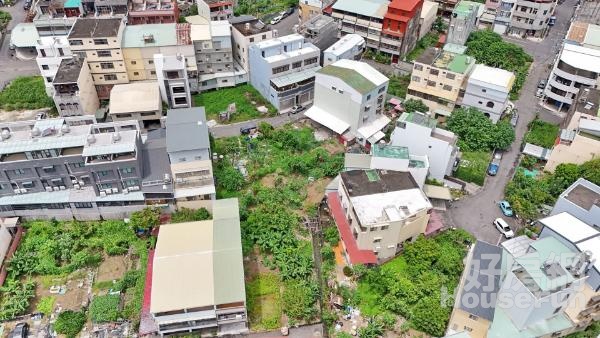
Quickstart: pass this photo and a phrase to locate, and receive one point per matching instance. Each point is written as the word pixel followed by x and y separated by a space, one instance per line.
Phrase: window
pixel 416 79
pixel 473 317
pixel 264 36
pixel 434 72
pixel 450 76
pixel 133 62
pixel 43 52
pixel 381 90
pixel 557 310
pixel 76 43
pixel 150 62
pixel 107 65
pixel 296 64
pixel 100 41
pixel 377 240
pixel 152 72
pixel 110 77
pixel 49 169
pixel 45 67
pixel 418 67
pixel 2 186
pixel 310 61
pixel 148 113
pixel 48 78
pixel 281 69
pixel 103 173
pixel 136 73
pixel 180 100
pixel 251 40
pixel 104 53
pixel 368 97
pixel 333 88
pixel 130 183
pixel 340 91
pixel 468 329
pixel 78 165
pixel 178 90
pixel 431 83
pixel 490 104
pixel 83 205
pixel 60 52
pixel 19 171
pixel 447 87
pixel 123 115
pixel 28 184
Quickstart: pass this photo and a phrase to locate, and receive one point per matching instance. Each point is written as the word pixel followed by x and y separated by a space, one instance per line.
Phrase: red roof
pixel 356 255
pixel 434 225
pixel 147 323
pixel 328 9
pixel 405 5
pixel 397 17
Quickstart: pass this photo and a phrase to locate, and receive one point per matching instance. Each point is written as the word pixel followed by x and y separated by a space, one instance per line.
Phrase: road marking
pixel 499 239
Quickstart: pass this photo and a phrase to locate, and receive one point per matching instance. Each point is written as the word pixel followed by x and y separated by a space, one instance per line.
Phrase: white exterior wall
pixel 50 47
pixel 241 43
pixel 5 239
pixel 476 97
pixel 165 85
pixel 354 45
pixel 419 141
pixel 428 15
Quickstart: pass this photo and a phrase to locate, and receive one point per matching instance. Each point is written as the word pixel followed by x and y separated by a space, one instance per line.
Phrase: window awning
pixel 378 136
pixel 286 80
pixel 372 128
pixel 326 119
pixel 437 192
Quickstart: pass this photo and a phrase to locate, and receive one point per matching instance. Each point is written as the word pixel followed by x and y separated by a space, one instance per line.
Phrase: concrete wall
pixel 581 150
pixel 5 240
pixel 427 17
pixel 87 92
pixel 460 321
pixel 479 97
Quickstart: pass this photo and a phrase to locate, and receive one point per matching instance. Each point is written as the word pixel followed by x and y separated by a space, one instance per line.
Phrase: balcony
pixel 569 72
pixel 557 97
pixel 110 158
pixel 284 93
pixel 558 84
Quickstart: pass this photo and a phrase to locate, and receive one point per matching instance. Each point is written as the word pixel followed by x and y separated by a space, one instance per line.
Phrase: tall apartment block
pixel 524 18
pixel 99 42
pixel 462 22
pixel 173 80
pixel 51 50
pixel 73 90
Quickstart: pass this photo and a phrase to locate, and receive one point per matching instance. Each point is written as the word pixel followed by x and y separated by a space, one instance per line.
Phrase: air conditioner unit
pixel 115 190
pixel 102 193
pixel 125 191
pixel 76 186
pixel 74 181
pixel 55 188
pixel 17 191
pixel 48 189
pixel 62 187
pixel 134 188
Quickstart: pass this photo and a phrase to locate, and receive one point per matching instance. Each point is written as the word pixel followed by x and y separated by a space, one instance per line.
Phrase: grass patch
pixel 26 92
pixel 542 133
pixel 263 295
pixel 46 305
pixel 473 166
pixel 399 85
pixel 217 101
pixel 429 40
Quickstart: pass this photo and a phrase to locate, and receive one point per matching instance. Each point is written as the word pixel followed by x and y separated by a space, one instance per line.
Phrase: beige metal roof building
pixel 138 101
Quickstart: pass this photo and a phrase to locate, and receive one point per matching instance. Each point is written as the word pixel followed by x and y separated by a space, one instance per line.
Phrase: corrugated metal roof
pixel 163 34
pixel 286 80
pixel 187 129
pixel 371 8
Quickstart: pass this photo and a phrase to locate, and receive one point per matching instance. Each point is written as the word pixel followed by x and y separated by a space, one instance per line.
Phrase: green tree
pixel 412 105
pixel 590 170
pixel 428 316
pixel 439 25
pixel 4 20
pixel 331 235
pixel 145 219
pixel 229 178
pixel 189 215
pixel 69 323
pixel 476 132
pixel 299 298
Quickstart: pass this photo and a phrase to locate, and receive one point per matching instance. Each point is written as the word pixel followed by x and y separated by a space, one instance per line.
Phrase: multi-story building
pixel 51 50
pixel 244 33
pixel 173 81
pixel 108 8
pixel 376 212
pixel 349 47
pixel 308 9
pixel 190 158
pixel 439 78
pixel 418 132
pixel 576 67
pixel 152 12
pixel 388 27
pixel 141 42
pixel 198 276
pixel 59 8
pixel 220 10
pixel 321 31
pixel 531 18
pixel 99 42
pixel 488 90
pixel 138 101
pixel 349 100
pixel 214 55
pixel 503 15
pixel 582 200
pixel 283 70
pixel 73 89
pixel 463 21
pixel 428 17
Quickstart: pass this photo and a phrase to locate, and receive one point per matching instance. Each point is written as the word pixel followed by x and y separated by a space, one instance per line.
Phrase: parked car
pixel 277 19
pixel 514 119
pixel 247 129
pixel 503 227
pixel 542 84
pixel 40 116
pixel 495 164
pixel 290 11
pixel 506 208
pixel 552 21
pixel 539 92
pixel 21 330
pixel 27 4
pixel 296 109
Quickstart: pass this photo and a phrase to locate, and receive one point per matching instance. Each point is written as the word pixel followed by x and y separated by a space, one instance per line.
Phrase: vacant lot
pixel 246 100
pixel 473 166
pixel 25 93
pixel 542 133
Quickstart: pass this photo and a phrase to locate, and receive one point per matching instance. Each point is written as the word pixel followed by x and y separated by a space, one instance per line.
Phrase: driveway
pixel 228 130
pixel 10 66
pixel 286 26
pixel 475 213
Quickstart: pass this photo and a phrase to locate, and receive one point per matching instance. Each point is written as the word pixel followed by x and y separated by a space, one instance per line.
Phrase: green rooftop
pixel 460 63
pixel 372 175
pixel 351 77
pixel 149 35
pixel 418 118
pixel 387 151
pixel 463 8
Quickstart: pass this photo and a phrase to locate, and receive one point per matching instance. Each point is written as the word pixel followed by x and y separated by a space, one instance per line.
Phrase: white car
pixel 503 227
pixel 277 19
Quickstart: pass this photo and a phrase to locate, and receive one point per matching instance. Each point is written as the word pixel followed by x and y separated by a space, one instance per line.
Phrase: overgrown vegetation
pixel 429 40
pixel 415 105
pixel 410 285
pixel 145 219
pixel 476 132
pixel 46 305
pixel 592 331
pixel 5 18
pixel 15 297
pixel 399 85
pixel 473 166
pixel 69 323
pixel 105 308
pixel 488 48
pixel 27 92
pixel 190 215
pixel 264 301
pixel 542 133
pixel 377 56
pixel 262 8
pixel 527 194
pixel 217 101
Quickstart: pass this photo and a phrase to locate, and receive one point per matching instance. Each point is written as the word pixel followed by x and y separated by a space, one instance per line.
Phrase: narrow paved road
pixel 476 213
pixel 10 66
pixel 228 130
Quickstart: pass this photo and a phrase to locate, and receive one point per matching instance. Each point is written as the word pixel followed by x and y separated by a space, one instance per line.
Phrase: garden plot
pixel 112 268
pixel 69 293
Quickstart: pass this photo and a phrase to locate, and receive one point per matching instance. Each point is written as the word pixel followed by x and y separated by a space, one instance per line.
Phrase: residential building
pixel 488 90
pixel 428 17
pixel 198 276
pixel 73 91
pixel 51 50
pixel 108 8
pixel 142 42
pixel 401 27
pixel 349 100
pixel 59 8
pixel 71 167
pixel 531 18
pixel 376 212
pixel 190 158
pixel 321 31
pixel 308 9
pixel 579 142
pixel 173 80
pixel 99 42
pixel 220 10
pixel 420 134
pixel 439 78
pixel 283 70
pixel 581 200
pixel 482 274
pixel 503 14
pixel 214 53
pixel 576 67
pixel 152 12
pixel 244 33
pixel 349 47
pixel 463 21
pixel 138 101
pixel 388 157
pixel 24 35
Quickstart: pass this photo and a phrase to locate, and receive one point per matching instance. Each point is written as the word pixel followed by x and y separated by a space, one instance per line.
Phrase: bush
pixel 145 219
pixel 229 178
pixel 69 323
pixel 299 298
pixel 347 271
pixel 25 92
pixel 331 235
pixel 105 308
pixel 476 132
pixel 542 133
pixel 46 305
pixel 190 215
pixel 4 20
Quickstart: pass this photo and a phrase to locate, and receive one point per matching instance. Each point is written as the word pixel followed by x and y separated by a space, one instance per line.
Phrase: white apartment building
pixel 51 50
pixel 349 100
pixel 283 70
pixel 349 47
pixel 582 200
pixel 245 33
pixel 172 77
pixel 488 90
pixel 418 132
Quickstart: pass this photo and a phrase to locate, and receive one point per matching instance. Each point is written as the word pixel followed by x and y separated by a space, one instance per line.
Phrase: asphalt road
pixel 10 66
pixel 475 213
pixel 286 26
pixel 228 130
